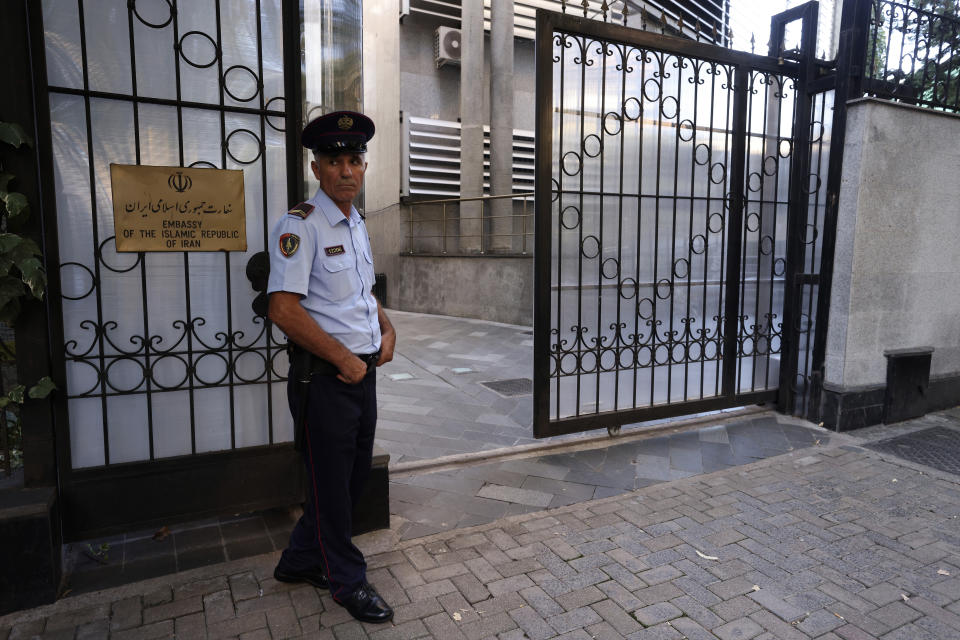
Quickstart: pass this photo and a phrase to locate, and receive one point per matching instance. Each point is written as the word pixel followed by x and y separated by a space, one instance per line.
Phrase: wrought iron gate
pixel 173 386
pixel 678 200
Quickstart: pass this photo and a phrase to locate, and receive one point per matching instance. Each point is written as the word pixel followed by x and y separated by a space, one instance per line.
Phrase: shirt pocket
pixel 366 265
pixel 337 279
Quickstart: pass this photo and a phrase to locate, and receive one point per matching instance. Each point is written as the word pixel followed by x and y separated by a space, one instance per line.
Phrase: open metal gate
pixel 678 213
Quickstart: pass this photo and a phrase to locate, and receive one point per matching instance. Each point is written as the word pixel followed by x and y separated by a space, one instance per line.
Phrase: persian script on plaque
pixel 178 208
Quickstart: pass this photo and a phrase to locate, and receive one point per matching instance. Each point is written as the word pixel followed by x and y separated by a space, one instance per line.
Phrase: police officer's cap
pixel 338 132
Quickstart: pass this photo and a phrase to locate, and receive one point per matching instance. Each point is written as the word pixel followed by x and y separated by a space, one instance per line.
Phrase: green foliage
pixel 21 276
pixel 42 389
pixel 14 135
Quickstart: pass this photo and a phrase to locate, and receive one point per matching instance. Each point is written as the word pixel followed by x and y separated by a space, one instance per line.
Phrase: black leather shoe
pixel 366 605
pixel 314 577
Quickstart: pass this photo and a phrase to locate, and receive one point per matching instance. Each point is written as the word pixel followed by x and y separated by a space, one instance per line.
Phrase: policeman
pixel 321 276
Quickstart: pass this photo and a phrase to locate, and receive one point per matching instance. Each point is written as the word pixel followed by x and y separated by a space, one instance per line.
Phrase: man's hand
pixel 352 370
pixel 388 342
pixel 388 336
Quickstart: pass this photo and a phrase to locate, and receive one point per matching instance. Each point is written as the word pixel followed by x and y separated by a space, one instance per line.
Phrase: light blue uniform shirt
pixel 332 268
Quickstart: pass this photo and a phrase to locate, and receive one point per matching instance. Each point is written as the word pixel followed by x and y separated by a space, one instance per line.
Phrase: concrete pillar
pixel 471 124
pixel 500 226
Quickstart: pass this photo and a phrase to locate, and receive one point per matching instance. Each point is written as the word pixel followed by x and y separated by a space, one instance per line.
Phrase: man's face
pixel 340 176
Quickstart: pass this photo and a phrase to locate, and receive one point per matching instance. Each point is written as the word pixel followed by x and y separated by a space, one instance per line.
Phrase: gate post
pixel 851 59
pixel 30 531
pixel 799 199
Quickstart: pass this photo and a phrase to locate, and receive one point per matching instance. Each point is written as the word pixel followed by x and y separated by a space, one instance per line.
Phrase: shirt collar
pixel 332 212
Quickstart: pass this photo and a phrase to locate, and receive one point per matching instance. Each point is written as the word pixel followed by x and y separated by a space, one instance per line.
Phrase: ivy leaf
pixel 10 291
pixel 14 135
pixel 16 249
pixel 33 275
pixel 14 395
pixel 43 388
pixel 9 242
pixel 17 204
pixel 10 311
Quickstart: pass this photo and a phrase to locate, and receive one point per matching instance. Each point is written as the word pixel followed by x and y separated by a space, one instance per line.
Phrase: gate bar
pixel 609 32
pixel 734 227
pixel 543 209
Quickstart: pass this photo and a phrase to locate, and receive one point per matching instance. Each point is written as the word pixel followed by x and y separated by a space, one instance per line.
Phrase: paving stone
pixel 236 626
pixel 283 623
pixel 27 629
pixel 533 625
pixel 406 631
pixel 516 495
pixel 882 594
pixel 190 626
pixel 580 598
pixel 697 612
pixel 770 600
pixel 90 631
pixel 507 585
pixel 72 619
pixel 776 626
pixel 305 601
pixel 172 609
pixel 162 629
pixel 218 606
pixel 575 619
pixel 244 586
pixel 488 626
pixel 471 588
pixel 657 613
pixel 663 631
pixel 742 629
pixel 541 602
pixel 894 614
pixel 416 609
pixel 619 619
pixel 126 613
pixel 738 607
pixel 690 630
pixel 201 587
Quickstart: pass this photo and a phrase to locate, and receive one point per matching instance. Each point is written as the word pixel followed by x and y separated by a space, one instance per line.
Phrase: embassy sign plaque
pixel 178 208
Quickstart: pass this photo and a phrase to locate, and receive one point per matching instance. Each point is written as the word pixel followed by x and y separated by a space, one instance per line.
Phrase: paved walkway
pixel 430 400
pixel 834 541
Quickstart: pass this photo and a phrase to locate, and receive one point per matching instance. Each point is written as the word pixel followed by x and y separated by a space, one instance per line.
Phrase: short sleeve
pixel 292 250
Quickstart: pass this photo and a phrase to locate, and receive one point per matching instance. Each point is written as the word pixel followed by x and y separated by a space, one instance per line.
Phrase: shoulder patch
pixel 289 243
pixel 302 210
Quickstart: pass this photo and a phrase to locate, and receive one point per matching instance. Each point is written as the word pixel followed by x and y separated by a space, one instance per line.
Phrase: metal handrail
pixel 484 236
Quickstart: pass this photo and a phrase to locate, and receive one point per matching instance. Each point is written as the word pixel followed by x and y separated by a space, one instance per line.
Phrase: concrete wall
pixel 400 75
pixel 381 98
pixel 429 92
pixel 896 280
pixel 489 288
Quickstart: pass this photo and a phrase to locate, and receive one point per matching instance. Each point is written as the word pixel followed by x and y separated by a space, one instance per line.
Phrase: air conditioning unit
pixel 446 46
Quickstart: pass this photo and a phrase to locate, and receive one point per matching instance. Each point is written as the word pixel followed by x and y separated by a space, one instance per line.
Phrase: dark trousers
pixel 338 447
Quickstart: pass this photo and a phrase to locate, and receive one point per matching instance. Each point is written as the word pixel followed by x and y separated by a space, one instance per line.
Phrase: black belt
pixel 319 366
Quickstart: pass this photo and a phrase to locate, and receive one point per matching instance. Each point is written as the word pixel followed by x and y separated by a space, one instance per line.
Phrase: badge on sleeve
pixel 289 243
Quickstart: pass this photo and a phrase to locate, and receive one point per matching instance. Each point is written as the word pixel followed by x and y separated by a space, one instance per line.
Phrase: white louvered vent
pixel 431 158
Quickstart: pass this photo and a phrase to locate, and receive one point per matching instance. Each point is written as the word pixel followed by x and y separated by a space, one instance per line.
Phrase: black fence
pixel 913 52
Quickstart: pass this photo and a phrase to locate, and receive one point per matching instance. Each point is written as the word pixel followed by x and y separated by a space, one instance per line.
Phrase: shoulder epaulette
pixel 302 210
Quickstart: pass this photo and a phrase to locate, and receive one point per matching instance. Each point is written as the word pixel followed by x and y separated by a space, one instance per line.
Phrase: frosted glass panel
pixel 165 356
